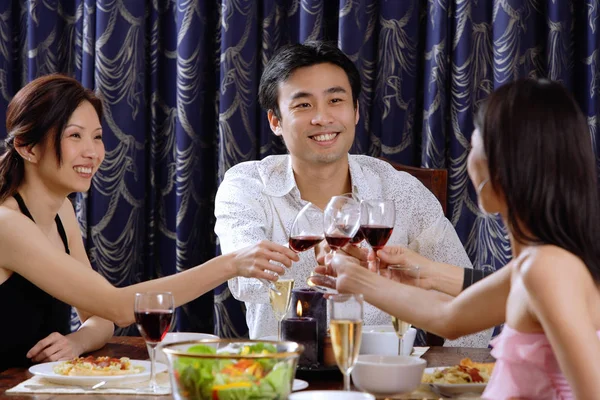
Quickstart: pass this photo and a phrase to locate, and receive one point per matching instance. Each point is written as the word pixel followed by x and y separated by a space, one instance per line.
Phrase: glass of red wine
pixel 154 317
pixel 341 221
pixel 307 229
pixel 377 219
pixel 358 237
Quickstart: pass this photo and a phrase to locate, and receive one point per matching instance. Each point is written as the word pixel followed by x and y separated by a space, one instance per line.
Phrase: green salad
pixel 222 379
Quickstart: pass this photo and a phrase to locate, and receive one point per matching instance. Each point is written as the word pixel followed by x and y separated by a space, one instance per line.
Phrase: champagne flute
pixel 377 219
pixel 407 275
pixel 280 300
pixel 341 221
pixel 154 316
pixel 346 313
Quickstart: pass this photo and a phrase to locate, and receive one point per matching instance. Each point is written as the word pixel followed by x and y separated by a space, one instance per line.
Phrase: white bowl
pixel 173 337
pixel 382 340
pixel 330 395
pixel 386 376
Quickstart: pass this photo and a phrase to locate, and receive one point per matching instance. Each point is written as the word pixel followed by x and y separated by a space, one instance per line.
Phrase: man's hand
pixel 54 347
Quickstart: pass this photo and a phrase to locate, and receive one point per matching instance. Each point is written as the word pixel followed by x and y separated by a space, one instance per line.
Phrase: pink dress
pixel 526 368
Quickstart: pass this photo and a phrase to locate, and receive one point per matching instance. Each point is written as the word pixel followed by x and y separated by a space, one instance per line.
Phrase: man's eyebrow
pixel 300 94
pixel 335 89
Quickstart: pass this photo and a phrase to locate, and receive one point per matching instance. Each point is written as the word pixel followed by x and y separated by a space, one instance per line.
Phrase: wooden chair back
pixel 436 180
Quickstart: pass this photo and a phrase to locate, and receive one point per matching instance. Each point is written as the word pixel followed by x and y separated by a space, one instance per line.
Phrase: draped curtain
pixel 179 81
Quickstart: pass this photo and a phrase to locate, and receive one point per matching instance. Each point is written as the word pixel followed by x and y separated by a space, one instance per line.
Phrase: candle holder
pixel 302 330
pixel 312 305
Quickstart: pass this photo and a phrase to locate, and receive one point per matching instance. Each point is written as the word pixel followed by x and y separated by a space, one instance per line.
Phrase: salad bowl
pixel 222 369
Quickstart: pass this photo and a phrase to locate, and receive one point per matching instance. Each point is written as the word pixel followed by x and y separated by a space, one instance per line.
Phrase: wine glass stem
pixel 377 262
pixel 151 352
pixel 347 381
pixel 400 344
pixel 279 330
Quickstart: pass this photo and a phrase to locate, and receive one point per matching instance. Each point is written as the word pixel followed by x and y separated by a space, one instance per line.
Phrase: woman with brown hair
pixel 54 147
pixel 532 162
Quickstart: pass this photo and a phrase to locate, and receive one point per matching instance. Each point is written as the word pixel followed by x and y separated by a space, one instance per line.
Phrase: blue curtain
pixel 179 80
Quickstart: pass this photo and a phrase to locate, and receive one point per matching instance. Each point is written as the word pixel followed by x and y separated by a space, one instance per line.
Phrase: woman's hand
pixel 322 250
pixel 258 261
pixel 54 347
pixel 397 255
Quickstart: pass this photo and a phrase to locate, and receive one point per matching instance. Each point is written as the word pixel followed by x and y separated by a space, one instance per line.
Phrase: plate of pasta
pixel 466 377
pixel 91 370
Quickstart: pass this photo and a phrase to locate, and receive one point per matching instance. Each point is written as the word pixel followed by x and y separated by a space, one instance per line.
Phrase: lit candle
pixel 302 330
pixel 314 305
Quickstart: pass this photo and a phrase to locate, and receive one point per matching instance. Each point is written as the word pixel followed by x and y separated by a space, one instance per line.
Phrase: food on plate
pixel 465 372
pixel 239 379
pixel 96 366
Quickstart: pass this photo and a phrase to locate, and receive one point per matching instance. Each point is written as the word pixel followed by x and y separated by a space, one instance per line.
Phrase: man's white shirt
pixel 259 200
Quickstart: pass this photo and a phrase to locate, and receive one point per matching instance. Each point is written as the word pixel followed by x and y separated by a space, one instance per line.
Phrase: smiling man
pixel 310 92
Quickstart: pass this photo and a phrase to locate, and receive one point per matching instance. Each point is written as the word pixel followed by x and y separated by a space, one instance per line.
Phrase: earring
pixel 479 190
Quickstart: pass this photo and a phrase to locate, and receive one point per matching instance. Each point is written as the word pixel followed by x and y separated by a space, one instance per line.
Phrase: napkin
pixel 38 384
pixel 419 351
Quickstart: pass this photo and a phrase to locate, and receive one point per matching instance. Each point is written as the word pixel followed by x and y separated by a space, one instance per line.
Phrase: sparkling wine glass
pixel 154 317
pixel 377 219
pixel 341 221
pixel 280 300
pixel 407 275
pixel 346 321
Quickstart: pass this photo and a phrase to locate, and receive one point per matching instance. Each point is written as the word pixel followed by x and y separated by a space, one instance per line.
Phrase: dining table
pixel 135 348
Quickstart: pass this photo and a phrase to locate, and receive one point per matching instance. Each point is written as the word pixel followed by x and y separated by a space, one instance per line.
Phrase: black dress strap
pixel 59 225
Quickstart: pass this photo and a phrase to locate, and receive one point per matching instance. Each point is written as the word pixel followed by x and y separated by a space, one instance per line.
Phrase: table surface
pixel 135 348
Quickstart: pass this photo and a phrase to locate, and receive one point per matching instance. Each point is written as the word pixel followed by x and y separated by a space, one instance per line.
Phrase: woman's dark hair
pixel 41 108
pixel 291 57
pixel 539 152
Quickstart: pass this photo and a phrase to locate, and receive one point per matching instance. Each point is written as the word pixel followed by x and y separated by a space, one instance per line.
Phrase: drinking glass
pixel 307 229
pixel 154 317
pixel 358 237
pixel 377 219
pixel 407 275
pixel 346 321
pixel 306 232
pixel 280 300
pixel 341 221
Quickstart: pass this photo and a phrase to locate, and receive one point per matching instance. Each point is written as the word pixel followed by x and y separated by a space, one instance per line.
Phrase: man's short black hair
pixel 293 56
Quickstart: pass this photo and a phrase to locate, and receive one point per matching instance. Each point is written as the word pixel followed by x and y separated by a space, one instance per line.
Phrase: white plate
pixel 299 384
pixel 330 395
pixel 451 389
pixel 46 371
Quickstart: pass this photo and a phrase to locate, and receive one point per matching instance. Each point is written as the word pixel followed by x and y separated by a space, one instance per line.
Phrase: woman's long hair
pixel 38 112
pixel 540 156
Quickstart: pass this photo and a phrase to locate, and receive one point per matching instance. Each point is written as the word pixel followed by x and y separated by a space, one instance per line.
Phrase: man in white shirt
pixel 310 92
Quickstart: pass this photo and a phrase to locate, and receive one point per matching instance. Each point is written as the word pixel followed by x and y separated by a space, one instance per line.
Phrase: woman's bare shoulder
pixel 544 263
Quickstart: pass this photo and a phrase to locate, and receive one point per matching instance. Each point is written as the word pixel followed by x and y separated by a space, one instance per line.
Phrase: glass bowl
pixel 221 369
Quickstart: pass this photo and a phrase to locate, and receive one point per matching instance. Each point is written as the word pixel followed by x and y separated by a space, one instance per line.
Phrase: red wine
pixel 303 243
pixel 376 235
pixel 359 237
pixel 154 324
pixel 335 242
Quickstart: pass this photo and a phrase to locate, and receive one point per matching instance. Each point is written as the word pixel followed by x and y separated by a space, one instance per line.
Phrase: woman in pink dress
pixel 531 162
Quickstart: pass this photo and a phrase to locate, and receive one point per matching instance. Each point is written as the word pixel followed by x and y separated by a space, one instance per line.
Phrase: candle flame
pixel 299 308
